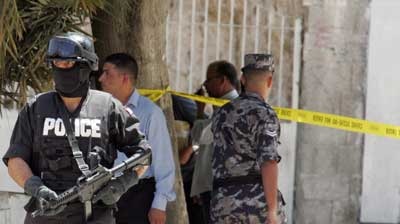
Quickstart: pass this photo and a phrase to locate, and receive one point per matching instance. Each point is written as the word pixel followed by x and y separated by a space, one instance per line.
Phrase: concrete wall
pixel 7 121
pixel 287 166
pixel 328 161
pixel 11 207
pixel 381 173
pixel 11 204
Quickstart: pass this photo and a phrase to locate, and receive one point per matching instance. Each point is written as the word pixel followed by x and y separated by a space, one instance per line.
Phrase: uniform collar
pixel 230 95
pixel 133 99
pixel 252 94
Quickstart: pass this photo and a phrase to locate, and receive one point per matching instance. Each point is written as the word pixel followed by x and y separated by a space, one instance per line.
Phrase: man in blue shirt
pixel 147 201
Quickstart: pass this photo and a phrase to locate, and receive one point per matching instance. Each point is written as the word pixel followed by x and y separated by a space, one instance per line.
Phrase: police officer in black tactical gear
pixel 41 158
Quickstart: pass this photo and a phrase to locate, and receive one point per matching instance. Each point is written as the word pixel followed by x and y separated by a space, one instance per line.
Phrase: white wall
pixel 7 121
pixel 11 207
pixel 381 169
pixel 286 178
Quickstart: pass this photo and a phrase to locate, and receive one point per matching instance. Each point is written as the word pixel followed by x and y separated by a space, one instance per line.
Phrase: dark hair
pixel 124 61
pixel 226 69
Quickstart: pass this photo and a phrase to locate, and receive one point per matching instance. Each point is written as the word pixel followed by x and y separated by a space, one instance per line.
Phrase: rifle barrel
pixel 135 159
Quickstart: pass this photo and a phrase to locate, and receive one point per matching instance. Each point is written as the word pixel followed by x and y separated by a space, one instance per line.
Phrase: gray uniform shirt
pixel 246 133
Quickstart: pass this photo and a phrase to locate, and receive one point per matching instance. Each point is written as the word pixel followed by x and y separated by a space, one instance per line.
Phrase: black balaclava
pixel 72 82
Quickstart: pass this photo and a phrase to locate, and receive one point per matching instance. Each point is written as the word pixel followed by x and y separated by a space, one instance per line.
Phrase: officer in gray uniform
pixel 246 136
pixel 40 158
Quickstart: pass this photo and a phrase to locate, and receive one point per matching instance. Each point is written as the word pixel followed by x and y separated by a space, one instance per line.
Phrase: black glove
pixel 112 192
pixel 35 188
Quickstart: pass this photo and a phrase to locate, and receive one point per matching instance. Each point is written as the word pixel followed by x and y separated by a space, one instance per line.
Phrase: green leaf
pixel 25 28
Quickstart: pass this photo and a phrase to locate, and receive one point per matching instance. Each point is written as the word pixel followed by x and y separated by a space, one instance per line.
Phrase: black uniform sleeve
pixel 124 130
pixel 22 137
pixel 267 139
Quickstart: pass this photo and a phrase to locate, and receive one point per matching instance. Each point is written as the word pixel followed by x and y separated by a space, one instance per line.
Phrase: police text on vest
pixel 84 127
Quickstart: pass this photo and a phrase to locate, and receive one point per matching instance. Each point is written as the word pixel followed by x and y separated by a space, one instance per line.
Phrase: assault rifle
pixel 87 186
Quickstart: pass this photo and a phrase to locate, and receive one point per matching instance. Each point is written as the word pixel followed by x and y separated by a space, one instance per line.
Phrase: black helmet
pixel 73 46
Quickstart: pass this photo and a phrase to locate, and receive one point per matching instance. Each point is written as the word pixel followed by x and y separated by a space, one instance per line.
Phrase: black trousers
pixel 135 204
pixel 206 199
pixel 74 214
pixel 194 209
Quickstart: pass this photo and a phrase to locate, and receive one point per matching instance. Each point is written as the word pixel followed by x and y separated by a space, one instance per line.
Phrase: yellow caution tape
pixel 338 122
pixel 153 94
pixel 297 115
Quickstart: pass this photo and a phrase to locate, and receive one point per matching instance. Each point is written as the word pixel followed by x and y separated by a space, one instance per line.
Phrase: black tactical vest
pixel 52 154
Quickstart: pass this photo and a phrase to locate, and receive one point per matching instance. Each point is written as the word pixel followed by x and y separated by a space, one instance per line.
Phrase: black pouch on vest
pixel 31 205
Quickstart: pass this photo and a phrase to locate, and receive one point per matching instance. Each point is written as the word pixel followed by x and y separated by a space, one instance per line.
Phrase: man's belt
pixel 239 180
pixel 150 180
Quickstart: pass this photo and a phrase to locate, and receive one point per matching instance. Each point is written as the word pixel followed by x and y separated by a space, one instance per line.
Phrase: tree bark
pixel 138 28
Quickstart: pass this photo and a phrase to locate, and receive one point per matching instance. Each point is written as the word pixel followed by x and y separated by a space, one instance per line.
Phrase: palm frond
pixel 25 29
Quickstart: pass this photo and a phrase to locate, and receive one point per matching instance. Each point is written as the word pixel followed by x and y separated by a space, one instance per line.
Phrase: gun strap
pixel 88 209
pixel 73 142
pixel 77 153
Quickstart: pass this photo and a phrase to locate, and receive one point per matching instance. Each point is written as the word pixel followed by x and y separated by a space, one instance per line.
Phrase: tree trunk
pixel 138 28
